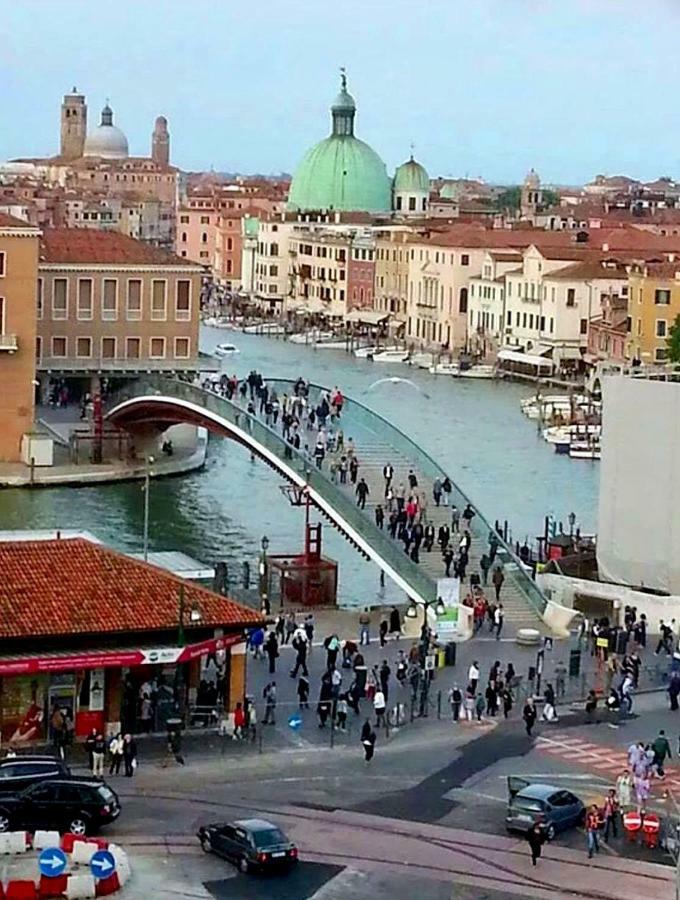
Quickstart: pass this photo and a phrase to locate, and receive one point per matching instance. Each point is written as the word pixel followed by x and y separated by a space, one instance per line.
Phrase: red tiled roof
pixel 87 245
pixel 590 269
pixel 73 586
pixel 13 222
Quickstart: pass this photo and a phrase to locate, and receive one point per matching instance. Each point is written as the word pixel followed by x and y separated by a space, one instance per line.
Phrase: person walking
pixel 364 627
pixel 536 837
pixel 662 751
pixel 473 676
pixel 379 705
pixel 271 648
pixel 368 739
pixel 130 755
pixel 290 626
pixel 592 827
pixel 89 746
pixel 303 692
pixel 116 746
pixel 269 696
pixel 388 475
pixel 353 469
pixel 455 519
pixel 437 491
pixel 624 789
pixel 529 715
pixel 395 622
pixel 380 517
pixel 300 646
pixel 455 701
pixel 98 752
pixel 484 566
pixel 382 630
pixel 362 493
pixel 479 706
pixel 497 579
pixel 447 488
pixel 611 813
pixel 239 721
pixel 498 620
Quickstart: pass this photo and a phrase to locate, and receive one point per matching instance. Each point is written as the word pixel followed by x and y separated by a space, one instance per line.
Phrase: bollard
pixel 259 739
pixel 439 704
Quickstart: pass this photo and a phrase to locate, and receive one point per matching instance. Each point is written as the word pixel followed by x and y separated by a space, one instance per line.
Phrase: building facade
pixel 18 326
pixel 109 305
pixel 653 306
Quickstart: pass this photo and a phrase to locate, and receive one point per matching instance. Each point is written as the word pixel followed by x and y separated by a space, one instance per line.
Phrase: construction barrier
pixel 81 887
pixel 44 839
pixel 52 886
pixel 21 890
pixel 107 886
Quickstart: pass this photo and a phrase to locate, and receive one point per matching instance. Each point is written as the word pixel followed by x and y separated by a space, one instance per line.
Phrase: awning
pixel 367 316
pixel 568 353
pixel 528 359
pixel 25 664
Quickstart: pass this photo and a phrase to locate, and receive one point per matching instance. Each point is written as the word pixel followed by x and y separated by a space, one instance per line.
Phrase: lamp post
pixel 194 619
pixel 147 483
pixel 264 598
pixel 572 522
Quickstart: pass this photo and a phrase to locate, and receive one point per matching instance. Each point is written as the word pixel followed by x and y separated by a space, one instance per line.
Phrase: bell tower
pixel 73 125
pixel 160 142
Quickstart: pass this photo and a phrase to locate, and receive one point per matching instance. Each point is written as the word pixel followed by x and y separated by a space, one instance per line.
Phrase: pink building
pixel 361 274
pixel 607 333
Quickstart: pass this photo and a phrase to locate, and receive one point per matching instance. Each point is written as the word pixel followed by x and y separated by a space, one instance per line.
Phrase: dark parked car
pixel 553 807
pixel 249 843
pixel 19 772
pixel 78 805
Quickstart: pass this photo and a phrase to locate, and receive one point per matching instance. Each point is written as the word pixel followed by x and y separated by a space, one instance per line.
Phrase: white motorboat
pixel 479 371
pixel 370 352
pixel 559 434
pixel 422 360
pixel 391 356
pixel 585 450
pixel 330 345
pixel 219 322
pixel 451 369
pixel 265 328
pixel 225 350
pixel 311 337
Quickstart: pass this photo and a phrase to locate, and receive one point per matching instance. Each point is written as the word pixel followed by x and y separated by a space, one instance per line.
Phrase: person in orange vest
pixel 592 827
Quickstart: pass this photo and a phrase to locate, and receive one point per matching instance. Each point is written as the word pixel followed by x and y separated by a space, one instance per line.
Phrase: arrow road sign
pixel 102 864
pixel 295 721
pixel 52 862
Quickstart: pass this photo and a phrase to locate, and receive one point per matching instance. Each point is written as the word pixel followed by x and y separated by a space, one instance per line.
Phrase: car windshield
pixel 269 838
pixel 106 793
pixel 528 804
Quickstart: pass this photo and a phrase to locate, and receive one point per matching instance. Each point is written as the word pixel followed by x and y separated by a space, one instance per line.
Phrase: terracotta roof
pixel 508 256
pixel 590 269
pixel 7 221
pixel 85 245
pixel 665 270
pixel 72 586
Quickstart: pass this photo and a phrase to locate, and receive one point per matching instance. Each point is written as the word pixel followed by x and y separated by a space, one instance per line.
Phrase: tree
pixel 550 198
pixel 509 200
pixel 673 341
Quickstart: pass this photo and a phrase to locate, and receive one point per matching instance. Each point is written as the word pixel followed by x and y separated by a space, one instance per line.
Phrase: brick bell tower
pixel 73 125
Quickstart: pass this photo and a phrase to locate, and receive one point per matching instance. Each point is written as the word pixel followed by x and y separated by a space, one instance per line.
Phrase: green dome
pixel 341 172
pixel 411 178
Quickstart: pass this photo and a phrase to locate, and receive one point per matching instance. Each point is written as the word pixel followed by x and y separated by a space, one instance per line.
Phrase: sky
pixel 483 88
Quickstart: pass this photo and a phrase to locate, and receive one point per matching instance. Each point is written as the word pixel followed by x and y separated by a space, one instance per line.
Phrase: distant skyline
pixel 486 89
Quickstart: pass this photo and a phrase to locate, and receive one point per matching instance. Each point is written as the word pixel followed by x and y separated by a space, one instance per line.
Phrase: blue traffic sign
pixel 295 721
pixel 52 862
pixel 102 864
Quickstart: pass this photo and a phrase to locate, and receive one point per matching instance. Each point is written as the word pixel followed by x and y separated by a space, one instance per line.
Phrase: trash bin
pixel 441 657
pixel 574 663
pixel 451 653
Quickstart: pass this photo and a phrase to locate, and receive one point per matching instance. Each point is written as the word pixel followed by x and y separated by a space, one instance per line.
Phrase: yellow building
pixel 653 305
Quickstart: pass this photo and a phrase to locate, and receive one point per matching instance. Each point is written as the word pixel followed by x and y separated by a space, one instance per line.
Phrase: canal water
pixel 474 428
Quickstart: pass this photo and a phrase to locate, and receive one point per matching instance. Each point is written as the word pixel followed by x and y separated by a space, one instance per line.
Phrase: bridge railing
pixel 368 420
pixel 423 588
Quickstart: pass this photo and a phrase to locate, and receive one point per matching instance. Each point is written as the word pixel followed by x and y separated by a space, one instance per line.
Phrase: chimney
pixel 605 248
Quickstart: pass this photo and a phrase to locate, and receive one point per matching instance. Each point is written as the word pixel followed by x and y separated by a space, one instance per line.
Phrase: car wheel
pixel 550 833
pixel 78 826
pixel 244 865
pixel 206 845
pixel 5 823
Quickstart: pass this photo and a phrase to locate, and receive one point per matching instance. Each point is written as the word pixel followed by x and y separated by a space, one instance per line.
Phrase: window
pixel 229 266
pixel 274 250
pixel 2 264
pixel 158 300
pixel 84 347
pixel 524 320
pixel 133 306
pixel 204 237
pixel 463 300
pixel 110 299
pixel 571 297
pixel 38 348
pixel 184 220
pixel 509 317
pixel 184 237
pixel 39 299
pixel 661 328
pixel 84 298
pixel 59 347
pixel 411 203
pixel 109 348
pixel 465 259
pixel 662 297
pixel 584 326
pixel 157 348
pixel 182 348
pixel 230 244
pixel 660 354
pixel 205 220
pixel 59 298
pixel 183 301
pixel 133 347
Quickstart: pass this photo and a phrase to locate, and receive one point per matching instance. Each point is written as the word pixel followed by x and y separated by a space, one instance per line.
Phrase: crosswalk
pixel 607 761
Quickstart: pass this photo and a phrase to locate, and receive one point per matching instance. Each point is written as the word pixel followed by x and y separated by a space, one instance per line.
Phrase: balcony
pixel 8 343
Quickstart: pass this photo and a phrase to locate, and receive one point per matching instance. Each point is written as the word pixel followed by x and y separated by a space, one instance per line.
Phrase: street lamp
pixel 412 611
pixel 572 522
pixel 264 599
pixel 147 482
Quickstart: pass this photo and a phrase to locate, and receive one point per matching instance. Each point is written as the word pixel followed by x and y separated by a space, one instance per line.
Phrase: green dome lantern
pixel 411 178
pixel 341 172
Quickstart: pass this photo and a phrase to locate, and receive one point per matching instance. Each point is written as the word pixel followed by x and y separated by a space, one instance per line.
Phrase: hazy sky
pixel 481 87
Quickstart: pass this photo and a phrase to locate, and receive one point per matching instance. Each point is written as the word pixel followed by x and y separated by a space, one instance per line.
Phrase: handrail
pixel 512 563
pixel 423 587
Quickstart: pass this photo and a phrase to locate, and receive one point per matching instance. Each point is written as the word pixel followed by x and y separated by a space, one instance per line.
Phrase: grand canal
pixel 474 428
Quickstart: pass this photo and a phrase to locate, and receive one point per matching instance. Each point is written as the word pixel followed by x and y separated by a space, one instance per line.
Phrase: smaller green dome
pixel 344 101
pixel 411 178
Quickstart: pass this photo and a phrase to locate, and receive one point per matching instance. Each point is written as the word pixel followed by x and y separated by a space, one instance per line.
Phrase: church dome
pixel 106 141
pixel 411 178
pixel 341 172
pixel 532 180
